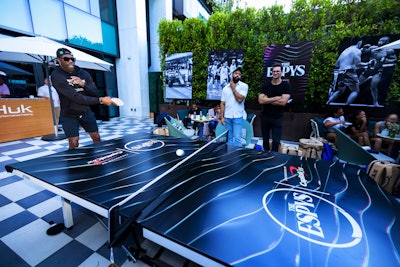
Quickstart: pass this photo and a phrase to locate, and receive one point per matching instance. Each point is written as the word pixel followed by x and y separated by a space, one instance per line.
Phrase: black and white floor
pixel 26 210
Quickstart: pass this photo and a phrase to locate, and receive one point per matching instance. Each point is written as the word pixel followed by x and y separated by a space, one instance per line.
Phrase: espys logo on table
pixel 309 215
pixel 143 145
pixel 134 146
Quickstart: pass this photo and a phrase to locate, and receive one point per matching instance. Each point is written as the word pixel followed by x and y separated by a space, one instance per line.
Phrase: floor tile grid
pixel 26 210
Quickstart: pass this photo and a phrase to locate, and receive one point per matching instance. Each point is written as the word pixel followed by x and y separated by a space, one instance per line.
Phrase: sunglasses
pixel 66 59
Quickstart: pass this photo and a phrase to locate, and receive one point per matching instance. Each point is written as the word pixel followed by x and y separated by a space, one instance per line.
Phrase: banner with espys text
pixel 295 59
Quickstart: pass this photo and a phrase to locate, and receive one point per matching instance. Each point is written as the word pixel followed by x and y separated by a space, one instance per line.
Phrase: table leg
pixel 200 129
pixel 67 213
pixel 394 153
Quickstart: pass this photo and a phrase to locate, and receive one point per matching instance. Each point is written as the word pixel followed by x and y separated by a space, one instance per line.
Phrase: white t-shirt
pixel 234 109
pixel 333 119
pixel 44 91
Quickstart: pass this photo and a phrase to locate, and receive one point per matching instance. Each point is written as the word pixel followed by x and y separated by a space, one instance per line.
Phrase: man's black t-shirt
pixel 275 90
pixel 195 111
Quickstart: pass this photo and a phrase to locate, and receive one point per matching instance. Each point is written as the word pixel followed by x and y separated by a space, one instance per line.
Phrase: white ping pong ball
pixel 180 152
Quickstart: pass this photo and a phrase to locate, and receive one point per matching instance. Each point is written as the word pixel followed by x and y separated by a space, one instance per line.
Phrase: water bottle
pixel 201 115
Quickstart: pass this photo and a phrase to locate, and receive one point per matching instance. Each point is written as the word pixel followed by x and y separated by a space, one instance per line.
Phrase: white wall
pixel 132 66
pixel 132 70
pixel 159 9
pixel 192 9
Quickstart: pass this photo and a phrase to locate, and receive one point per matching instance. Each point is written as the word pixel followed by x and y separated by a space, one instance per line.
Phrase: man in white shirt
pixel 43 92
pixel 335 119
pixel 232 107
pixel 214 115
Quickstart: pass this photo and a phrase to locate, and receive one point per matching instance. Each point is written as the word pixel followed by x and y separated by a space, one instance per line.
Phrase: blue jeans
pixel 234 127
pixel 200 125
pixel 211 127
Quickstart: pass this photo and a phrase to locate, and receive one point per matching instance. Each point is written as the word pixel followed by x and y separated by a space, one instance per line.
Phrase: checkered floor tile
pixel 27 210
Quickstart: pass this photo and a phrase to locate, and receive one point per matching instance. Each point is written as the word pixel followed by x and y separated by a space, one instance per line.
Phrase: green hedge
pixel 324 22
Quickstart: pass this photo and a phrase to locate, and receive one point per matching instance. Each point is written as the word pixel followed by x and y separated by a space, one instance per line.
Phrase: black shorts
pixel 71 124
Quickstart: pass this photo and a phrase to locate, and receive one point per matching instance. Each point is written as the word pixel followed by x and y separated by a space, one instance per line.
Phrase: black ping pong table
pixel 224 206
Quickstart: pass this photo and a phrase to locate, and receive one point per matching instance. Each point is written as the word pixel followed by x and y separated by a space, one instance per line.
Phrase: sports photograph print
pixel 178 75
pixel 363 71
pixel 221 64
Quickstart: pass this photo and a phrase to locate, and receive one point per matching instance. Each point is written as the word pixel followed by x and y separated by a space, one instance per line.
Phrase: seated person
pixel 4 91
pixel 334 118
pixel 358 129
pixel 194 110
pixel 214 114
pixel 382 126
pixel 160 118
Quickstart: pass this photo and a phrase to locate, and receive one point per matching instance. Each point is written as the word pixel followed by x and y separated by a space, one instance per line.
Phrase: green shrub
pixel 324 22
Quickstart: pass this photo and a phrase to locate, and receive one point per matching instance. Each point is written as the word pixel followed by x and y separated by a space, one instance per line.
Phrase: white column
pixel 132 69
pixel 158 9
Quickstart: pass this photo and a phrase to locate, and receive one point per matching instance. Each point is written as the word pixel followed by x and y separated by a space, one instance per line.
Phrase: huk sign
pixel 24 118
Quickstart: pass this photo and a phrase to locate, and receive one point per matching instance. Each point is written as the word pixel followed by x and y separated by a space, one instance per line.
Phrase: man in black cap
pixel 77 93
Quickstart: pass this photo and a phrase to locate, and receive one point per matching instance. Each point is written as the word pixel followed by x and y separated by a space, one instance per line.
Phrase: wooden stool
pixel 290 149
pixel 161 131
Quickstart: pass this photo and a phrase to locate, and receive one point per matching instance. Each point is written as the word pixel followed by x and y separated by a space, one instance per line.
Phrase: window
pixel 8 12
pixel 107 12
pixel 48 19
pixel 90 35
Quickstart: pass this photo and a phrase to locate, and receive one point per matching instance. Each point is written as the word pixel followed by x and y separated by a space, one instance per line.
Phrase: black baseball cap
pixel 63 51
pixel 238 68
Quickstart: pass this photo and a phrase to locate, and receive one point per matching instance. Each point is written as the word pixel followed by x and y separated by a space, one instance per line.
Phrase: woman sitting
pixel 381 127
pixel 358 129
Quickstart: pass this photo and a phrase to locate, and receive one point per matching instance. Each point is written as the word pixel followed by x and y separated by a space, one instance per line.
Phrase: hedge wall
pixel 325 22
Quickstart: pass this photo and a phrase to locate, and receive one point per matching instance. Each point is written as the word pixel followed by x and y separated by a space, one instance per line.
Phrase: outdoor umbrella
pixel 42 50
pixel 12 70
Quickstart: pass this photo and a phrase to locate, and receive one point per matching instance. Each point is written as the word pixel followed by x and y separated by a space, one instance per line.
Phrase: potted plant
pixel 394 129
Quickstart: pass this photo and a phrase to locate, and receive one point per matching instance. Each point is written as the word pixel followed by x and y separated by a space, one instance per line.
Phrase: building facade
pixel 122 32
